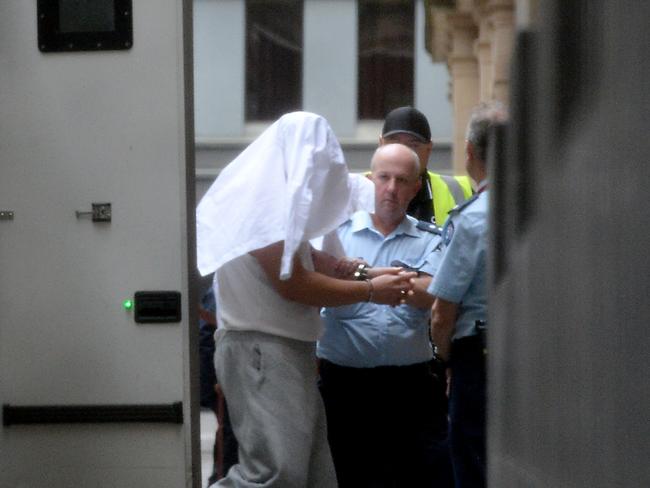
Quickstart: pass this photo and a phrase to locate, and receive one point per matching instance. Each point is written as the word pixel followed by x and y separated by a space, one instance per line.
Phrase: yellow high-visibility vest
pixel 448 191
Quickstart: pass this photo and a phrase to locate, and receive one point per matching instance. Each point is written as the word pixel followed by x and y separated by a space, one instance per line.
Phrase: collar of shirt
pixel 482 186
pixel 362 221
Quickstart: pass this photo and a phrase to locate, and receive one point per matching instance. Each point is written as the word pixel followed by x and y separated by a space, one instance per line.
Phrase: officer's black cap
pixel 407 120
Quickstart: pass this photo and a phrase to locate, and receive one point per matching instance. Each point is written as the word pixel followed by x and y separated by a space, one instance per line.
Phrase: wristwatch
pixel 361 272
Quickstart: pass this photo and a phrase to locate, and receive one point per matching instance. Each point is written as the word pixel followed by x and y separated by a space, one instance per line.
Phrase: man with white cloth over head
pixel 253 226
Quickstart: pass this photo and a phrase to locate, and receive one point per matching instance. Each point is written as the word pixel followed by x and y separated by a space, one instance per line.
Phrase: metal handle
pixel 101 212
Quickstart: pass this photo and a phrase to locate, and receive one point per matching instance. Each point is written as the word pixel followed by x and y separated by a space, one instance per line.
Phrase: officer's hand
pixel 409 293
pixel 390 289
pixel 380 270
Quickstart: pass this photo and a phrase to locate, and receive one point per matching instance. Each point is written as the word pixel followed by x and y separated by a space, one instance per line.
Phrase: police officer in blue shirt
pixel 459 312
pixel 387 423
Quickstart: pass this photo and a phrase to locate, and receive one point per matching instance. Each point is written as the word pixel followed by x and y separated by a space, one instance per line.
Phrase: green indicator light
pixel 127 304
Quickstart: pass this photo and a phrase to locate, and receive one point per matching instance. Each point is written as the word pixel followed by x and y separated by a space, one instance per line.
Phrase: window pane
pixel 273 58
pixel 386 37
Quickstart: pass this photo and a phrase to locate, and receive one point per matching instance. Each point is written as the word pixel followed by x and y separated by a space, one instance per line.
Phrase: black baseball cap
pixel 407 120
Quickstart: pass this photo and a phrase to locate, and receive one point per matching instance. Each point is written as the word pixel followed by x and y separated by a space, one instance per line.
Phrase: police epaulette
pixel 429 227
pixel 461 206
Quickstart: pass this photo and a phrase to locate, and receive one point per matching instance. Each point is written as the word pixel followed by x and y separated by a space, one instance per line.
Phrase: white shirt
pixel 247 301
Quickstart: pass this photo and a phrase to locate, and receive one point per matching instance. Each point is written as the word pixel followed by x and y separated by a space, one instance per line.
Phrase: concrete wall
pixel 569 394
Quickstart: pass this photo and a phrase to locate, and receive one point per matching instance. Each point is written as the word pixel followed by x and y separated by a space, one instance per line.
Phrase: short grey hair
pixel 484 116
pixel 414 157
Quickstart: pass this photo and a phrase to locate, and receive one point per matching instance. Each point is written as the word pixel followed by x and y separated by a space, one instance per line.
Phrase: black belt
pixel 378 371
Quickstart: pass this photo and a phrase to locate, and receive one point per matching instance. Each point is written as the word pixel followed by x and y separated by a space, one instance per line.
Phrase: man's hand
pixel 391 288
pixel 418 296
pixel 208 316
pixel 443 321
pixel 319 290
pixel 380 270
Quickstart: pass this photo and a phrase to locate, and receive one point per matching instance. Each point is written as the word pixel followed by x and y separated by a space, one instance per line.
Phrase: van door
pixel 96 244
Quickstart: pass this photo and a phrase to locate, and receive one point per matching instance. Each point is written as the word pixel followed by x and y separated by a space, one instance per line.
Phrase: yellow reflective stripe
pixel 447 195
pixel 454 188
pixel 466 185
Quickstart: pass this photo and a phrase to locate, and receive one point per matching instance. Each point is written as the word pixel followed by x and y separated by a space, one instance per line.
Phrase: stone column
pixel 483 49
pixel 501 17
pixel 463 67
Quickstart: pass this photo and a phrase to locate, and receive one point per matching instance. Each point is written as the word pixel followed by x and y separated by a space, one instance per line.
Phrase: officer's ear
pixel 474 166
pixel 470 157
pixel 469 150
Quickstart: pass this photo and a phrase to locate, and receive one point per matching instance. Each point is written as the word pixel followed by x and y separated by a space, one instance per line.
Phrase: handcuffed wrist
pixel 371 290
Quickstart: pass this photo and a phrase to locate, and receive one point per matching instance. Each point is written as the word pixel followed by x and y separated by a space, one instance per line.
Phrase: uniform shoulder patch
pixel 428 227
pixel 448 232
pixel 459 208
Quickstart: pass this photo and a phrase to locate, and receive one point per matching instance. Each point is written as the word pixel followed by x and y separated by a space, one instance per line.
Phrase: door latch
pixel 101 212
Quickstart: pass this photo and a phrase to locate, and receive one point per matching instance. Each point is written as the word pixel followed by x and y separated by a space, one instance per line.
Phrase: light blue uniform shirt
pixel 366 335
pixel 461 276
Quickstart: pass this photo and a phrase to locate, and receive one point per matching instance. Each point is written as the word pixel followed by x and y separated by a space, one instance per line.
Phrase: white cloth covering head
pixel 363 193
pixel 290 184
pixel 362 198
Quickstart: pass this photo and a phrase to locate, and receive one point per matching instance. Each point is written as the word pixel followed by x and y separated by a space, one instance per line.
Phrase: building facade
pixel 350 61
pixel 475 39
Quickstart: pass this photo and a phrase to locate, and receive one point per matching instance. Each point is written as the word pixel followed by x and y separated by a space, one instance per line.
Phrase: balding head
pixel 399 152
pixel 396 174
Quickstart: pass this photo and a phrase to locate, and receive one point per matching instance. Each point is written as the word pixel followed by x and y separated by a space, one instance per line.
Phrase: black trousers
pixel 387 426
pixel 467 404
